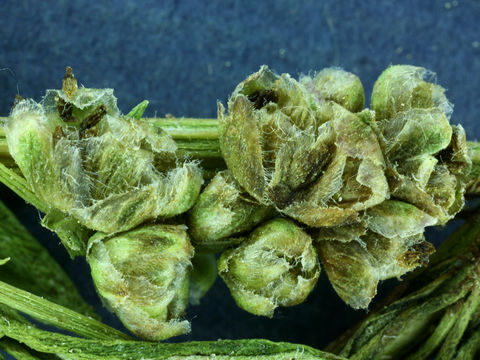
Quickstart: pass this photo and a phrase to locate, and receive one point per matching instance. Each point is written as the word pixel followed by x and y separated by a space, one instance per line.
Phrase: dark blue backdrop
pixel 184 55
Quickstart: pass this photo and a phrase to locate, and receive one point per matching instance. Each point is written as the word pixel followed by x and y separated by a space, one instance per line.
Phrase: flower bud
pixel 307 149
pixel 54 175
pixel 109 172
pixel 432 314
pixel 404 87
pixel 429 155
pixel 389 244
pixel 337 85
pixel 310 157
pixel 275 266
pixel 223 209
pixel 143 276
pixel 355 268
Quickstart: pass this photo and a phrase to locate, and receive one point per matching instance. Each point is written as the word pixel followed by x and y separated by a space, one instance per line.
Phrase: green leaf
pixel 32 268
pixel 73 235
pixel 21 352
pixel 56 315
pixel 75 348
pixel 137 111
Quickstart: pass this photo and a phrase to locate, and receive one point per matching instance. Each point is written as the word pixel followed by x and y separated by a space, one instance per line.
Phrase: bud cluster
pixel 106 177
pixel 312 177
pixel 362 183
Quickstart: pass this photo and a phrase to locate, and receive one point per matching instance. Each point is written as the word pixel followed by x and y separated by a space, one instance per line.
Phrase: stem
pixel 68 347
pixel 20 351
pixel 198 139
pixel 30 265
pixel 195 138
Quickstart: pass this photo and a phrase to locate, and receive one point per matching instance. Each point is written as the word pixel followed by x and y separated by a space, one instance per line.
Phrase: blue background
pixel 184 55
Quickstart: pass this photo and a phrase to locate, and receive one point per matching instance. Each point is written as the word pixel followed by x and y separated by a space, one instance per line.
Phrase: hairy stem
pixel 195 138
pixel 198 139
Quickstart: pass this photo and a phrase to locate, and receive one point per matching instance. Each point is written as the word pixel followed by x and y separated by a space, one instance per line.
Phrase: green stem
pixel 195 138
pixel 19 351
pixel 198 139
pixel 30 265
pixel 470 347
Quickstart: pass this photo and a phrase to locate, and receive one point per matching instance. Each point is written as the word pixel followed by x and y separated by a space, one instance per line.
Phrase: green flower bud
pixel 416 133
pixel 337 85
pixel 275 266
pixel 143 276
pixel 403 87
pixel 427 163
pixel 389 244
pixel 109 172
pixel 429 155
pixel 311 158
pixel 433 314
pixel 54 175
pixel 223 209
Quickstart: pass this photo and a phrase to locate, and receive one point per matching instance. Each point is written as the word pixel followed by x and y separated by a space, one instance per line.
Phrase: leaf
pixel 73 235
pixel 21 352
pixel 73 348
pixel 138 110
pixel 32 268
pixel 53 314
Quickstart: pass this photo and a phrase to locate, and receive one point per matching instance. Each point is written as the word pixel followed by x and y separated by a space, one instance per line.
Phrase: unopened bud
pixel 337 85
pixel 143 276
pixel 275 266
pixel 222 210
pixel 110 172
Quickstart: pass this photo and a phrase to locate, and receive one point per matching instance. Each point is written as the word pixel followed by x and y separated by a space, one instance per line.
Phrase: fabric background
pixel 184 55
